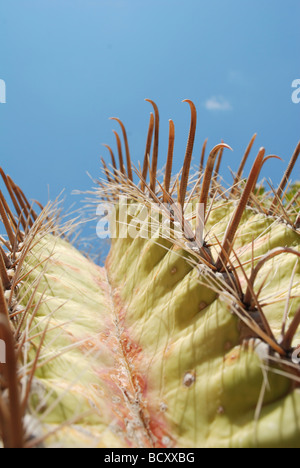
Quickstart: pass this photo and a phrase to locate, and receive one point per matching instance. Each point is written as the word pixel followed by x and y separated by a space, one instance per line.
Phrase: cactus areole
pixel 187 337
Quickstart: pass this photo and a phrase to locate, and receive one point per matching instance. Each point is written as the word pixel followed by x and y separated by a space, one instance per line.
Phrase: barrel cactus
pixel 187 337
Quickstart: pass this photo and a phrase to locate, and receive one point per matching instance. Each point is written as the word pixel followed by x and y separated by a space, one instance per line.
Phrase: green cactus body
pixel 199 372
pixel 173 343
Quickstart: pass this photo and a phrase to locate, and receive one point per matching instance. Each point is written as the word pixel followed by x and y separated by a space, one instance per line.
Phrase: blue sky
pixel 69 65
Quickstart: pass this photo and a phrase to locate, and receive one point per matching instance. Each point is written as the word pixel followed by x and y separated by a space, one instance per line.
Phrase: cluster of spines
pixel 243 191
pixel 23 230
pixel 20 227
pixel 208 173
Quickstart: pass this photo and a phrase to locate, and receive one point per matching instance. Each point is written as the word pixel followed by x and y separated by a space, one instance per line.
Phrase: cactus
pixel 186 338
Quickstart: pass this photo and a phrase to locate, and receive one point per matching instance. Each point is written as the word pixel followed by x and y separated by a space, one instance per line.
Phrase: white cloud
pixel 218 103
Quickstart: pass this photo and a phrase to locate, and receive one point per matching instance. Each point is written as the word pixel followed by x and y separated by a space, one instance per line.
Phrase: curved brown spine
pixel 188 153
pixel 153 170
pixel 128 158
